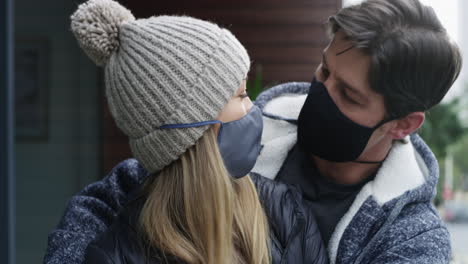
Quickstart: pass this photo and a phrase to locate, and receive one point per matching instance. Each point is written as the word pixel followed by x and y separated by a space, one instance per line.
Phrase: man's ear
pixel 407 125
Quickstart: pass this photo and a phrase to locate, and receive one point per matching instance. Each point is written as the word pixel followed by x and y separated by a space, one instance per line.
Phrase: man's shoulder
pixel 417 234
pixel 397 224
pixel 415 219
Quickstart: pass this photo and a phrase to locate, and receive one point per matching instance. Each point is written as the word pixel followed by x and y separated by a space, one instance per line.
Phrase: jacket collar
pixel 409 165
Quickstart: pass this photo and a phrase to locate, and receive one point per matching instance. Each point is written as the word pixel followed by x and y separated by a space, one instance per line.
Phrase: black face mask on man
pixel 324 131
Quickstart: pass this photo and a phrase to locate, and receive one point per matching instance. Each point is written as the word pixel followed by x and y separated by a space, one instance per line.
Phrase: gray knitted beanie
pixel 160 70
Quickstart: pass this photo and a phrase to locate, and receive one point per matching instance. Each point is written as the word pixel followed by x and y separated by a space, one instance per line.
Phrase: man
pixel 347 139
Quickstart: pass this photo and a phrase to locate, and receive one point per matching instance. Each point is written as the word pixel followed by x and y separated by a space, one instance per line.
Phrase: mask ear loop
pixel 385 120
pixel 372 162
pixel 198 124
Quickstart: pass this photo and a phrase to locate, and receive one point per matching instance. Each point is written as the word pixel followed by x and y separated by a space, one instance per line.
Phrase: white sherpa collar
pixel 278 136
pixel 403 170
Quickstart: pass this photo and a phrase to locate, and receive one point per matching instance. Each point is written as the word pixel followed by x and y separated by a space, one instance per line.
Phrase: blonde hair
pixel 197 213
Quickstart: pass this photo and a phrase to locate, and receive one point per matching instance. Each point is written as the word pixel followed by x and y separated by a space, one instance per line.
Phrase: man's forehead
pixel 340 44
pixel 351 65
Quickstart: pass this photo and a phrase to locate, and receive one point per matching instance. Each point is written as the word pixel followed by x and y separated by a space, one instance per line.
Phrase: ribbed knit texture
pixel 166 70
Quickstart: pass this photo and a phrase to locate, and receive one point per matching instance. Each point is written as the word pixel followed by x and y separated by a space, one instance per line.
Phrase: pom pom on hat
pixel 96 25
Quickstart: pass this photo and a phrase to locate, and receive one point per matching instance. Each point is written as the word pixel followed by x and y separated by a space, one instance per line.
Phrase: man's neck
pixel 350 173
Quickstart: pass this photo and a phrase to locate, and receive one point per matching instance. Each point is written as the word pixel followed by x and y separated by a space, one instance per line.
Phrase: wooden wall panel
pixel 280 35
pixel 295 15
pixel 273 31
pixel 285 37
pixel 148 8
pixel 297 53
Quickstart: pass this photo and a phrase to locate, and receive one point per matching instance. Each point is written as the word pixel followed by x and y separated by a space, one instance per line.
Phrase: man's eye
pixel 244 95
pixel 348 98
pixel 325 72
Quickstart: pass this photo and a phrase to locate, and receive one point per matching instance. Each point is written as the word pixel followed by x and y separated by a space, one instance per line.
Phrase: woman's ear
pixel 407 125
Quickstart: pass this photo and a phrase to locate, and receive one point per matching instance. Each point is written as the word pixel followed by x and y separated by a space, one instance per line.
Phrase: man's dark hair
pixel 413 60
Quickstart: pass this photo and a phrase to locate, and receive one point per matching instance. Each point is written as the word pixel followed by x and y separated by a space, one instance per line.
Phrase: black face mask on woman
pixel 324 131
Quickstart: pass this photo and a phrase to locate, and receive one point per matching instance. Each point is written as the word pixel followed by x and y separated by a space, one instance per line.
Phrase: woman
pixel 176 87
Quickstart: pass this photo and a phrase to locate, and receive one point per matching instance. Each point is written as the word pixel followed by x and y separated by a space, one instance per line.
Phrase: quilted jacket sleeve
pixel 91 212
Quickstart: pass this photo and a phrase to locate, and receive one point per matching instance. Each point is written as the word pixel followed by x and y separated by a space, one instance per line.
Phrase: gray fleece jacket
pixel 392 219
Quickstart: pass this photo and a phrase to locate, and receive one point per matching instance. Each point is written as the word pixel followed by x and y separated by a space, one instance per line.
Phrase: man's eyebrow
pixel 343 83
pixel 343 51
pixel 354 90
